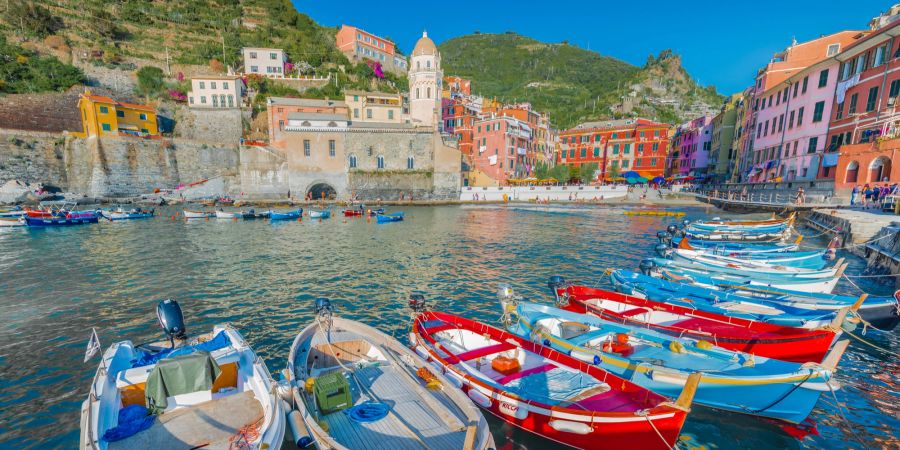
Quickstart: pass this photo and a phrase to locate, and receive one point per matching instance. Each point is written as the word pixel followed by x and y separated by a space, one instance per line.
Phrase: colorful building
pixel 722 144
pixel 742 141
pixel 691 145
pixel 425 83
pixel 102 116
pixel 359 45
pixel 639 145
pixel 500 148
pixel 382 107
pixel 279 110
pixel 216 92
pixel 454 85
pixel 264 61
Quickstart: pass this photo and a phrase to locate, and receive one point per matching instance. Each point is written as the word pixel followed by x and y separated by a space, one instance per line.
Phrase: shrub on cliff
pixel 150 81
pixel 23 71
pixel 32 19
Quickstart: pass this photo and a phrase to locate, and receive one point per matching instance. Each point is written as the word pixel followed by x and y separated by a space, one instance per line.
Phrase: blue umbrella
pixel 657 180
pixel 630 174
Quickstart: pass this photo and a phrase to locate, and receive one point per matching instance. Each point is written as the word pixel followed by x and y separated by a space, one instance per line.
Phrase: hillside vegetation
pixel 574 84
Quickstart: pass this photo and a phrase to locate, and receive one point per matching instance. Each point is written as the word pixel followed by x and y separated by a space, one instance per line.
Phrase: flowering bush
pixel 177 95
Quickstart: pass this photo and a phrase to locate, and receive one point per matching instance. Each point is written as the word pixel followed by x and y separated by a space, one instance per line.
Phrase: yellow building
pixel 103 116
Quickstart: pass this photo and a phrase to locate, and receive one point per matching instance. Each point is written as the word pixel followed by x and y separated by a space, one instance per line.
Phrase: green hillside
pixel 571 83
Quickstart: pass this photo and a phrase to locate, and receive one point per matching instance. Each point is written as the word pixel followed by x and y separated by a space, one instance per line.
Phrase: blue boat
pixel 733 229
pixel 758 272
pixel 395 217
pixel 323 214
pixel 731 381
pixel 62 220
pixel 644 286
pixel 120 214
pixel 813 260
pixel 731 248
pixel 289 215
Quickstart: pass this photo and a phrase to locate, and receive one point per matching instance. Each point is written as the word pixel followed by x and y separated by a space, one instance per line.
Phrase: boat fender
pixel 667 377
pixel 300 433
pixel 310 382
pixel 571 427
pixel 582 356
pixel 676 347
pixel 423 352
pixel 283 387
pixel 517 410
pixel 454 379
pixel 705 345
pixel 479 398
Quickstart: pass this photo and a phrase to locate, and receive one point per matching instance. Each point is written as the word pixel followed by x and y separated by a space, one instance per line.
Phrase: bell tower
pixel 425 80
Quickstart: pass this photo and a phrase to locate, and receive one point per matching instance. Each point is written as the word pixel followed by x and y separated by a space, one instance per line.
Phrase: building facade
pixel 280 108
pixel 425 83
pixel 381 107
pixel 215 92
pixel 267 62
pixel 722 143
pixel 500 148
pixel 617 146
pixel 359 45
pixel 691 145
pixel 102 116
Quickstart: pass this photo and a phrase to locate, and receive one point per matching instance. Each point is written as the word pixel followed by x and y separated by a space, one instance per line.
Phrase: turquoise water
pixel 56 284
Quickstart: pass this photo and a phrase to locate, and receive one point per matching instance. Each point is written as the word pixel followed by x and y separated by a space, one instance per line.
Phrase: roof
pixel 215 77
pixel 371 93
pixel 109 101
pixel 316 116
pixel 290 101
pixel 98 98
pixel 262 48
pixel 424 46
pixel 381 125
pixel 138 107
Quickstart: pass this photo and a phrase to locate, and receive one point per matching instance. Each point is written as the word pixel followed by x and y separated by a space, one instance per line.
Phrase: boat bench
pixel 587 337
pixel 483 351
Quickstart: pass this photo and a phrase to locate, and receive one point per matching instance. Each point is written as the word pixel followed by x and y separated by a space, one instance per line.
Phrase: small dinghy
pixel 121 214
pixel 385 218
pixel 12 222
pixel 732 380
pixel 197 214
pixel 709 276
pixel 252 214
pixel 355 387
pixel 210 392
pixel 362 211
pixel 61 218
pixel 323 214
pixel 220 214
pixel 287 215
pixel 547 392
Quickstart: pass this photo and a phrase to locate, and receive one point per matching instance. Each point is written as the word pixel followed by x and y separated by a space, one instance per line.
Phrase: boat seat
pixel 525 373
pixel 589 336
pixel 484 351
pixel 635 311
pixel 138 375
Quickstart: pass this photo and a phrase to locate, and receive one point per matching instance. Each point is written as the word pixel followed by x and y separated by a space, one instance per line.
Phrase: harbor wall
pixel 553 193
pixel 821 191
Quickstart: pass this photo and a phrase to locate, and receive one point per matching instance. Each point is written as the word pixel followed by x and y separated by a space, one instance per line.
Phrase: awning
pixel 830 159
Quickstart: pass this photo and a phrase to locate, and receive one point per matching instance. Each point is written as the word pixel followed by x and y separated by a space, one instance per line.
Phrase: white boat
pixel 197 214
pixel 229 215
pixel 122 214
pixel 12 222
pixel 353 367
pixel 210 392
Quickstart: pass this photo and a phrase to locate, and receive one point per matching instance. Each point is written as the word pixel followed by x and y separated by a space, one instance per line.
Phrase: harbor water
pixel 56 284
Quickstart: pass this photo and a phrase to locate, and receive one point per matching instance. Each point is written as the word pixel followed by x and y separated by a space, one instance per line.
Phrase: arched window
pixel 306 123
pixel 428 93
pixel 428 64
pixel 879 169
pixel 852 172
pixel 380 160
pixel 352 161
pixel 418 65
pixel 417 92
pixel 410 163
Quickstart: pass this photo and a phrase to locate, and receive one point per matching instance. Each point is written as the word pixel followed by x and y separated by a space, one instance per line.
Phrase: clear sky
pixel 722 42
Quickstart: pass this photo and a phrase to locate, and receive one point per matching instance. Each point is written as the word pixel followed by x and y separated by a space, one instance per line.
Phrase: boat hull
pixel 59 221
pixel 291 215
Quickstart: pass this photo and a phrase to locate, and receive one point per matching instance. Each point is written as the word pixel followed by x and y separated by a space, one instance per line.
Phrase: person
pixel 853 195
pixel 867 196
pixel 799 197
pixel 876 191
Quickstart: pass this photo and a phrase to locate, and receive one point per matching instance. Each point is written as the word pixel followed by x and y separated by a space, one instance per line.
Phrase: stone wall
pixel 820 191
pixel 209 125
pixel 33 157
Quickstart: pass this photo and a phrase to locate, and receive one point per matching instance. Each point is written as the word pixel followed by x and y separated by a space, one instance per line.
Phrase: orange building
pixel 278 109
pixel 638 145
pixel 457 85
pixel 869 163
pixel 358 44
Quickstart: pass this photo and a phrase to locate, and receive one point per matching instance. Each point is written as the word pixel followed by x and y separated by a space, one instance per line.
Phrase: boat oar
pixel 687 393
pixel 834 356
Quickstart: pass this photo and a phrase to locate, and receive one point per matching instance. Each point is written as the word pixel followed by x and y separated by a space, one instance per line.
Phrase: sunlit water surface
pixel 55 284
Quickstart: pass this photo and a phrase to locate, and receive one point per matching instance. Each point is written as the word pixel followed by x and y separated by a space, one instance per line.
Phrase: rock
pixel 15 191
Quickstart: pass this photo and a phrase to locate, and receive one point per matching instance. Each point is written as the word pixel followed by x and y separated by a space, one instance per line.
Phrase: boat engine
pixel 171 320
pixel 417 303
pixel 685 223
pixel 646 265
pixel 324 313
pixel 508 303
pixel 663 237
pixel 662 250
pixel 672 229
pixel 555 283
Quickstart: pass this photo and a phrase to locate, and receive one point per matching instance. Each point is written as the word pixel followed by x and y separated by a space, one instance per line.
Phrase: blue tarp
pixel 132 420
pixel 218 342
pixel 830 159
pixel 368 412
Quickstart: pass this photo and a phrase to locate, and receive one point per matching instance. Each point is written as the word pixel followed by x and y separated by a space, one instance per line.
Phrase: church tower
pixel 425 79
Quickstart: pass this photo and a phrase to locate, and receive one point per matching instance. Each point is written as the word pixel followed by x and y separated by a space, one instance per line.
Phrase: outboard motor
pixel 663 236
pixel 685 222
pixel 324 314
pixel 555 283
pixel 508 304
pixel 646 265
pixel 171 320
pixel 417 303
pixel 672 229
pixel 662 250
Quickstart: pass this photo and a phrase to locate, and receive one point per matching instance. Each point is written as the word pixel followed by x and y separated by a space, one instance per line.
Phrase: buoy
pixel 299 431
pixel 310 382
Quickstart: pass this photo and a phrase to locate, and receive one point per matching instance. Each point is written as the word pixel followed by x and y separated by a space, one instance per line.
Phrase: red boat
pixel 758 338
pixel 547 392
pixel 353 212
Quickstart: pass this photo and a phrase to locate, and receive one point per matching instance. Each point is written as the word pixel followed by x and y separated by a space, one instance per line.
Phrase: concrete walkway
pixel 862 225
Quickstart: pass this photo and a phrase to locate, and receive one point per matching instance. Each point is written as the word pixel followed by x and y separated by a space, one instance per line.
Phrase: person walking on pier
pixel 854 195
pixel 867 196
pixel 800 196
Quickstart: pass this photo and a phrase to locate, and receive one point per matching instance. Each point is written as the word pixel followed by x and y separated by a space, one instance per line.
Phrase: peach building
pixel 280 108
pixel 358 45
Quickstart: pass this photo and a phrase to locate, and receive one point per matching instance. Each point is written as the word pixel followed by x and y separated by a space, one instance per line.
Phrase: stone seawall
pixel 784 192
pixel 874 237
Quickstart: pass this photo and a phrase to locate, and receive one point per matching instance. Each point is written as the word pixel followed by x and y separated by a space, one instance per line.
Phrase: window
pixel 571 153
pixel 202 85
pixel 254 69
pixel 390 114
pixel 833 49
pixel 230 101
pixel 640 148
pixel 368 114
pixel 873 96
pixel 584 153
pixel 106 127
pixel 758 130
pixel 352 161
pixel 356 113
pixel 215 99
pixel 614 135
pixel 191 99
pixel 224 85
pixel 253 55
pixel 853 100
pixel 104 110
pixel 203 99
pixel 813 143
pixel 840 111
pixel 212 84
pixel 596 152
pixel 655 146
pixel 145 131
pixel 823 78
pixel 780 123
pixel 369 150
pixel 770 101
pixel 766 129
pixel 805 83
pixel 380 161
pixel 625 163
pixel 785 93
pixel 331 148
pixel 616 149
pixel 306 147
pixel 818 111
pixel 860 64
pixel 653 162
pixel 880 54
pixel 273 56
pixel 800 116
pixel 428 92
pixel 796 86
pixel 120 113
pixel 895 88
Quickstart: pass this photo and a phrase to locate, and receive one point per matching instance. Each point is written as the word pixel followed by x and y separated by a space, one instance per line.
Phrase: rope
pixel 645 414
pixel 877 347
pixel 841 411
pixel 244 436
pixel 785 395
pixel 871 276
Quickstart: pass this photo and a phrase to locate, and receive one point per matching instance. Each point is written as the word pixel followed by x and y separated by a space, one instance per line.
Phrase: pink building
pixel 500 148
pixel 690 148
pixel 358 45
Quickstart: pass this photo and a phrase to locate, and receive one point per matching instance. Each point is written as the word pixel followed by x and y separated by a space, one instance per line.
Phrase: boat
pixel 393 217
pixel 362 211
pixel 212 391
pixel 355 387
pixel 773 228
pixel 121 214
pixel 685 319
pixel 287 215
pixel 882 313
pixel 692 274
pixel 732 380
pixel 12 222
pixel 323 214
pixel 547 392
pixel 812 260
pixel 352 212
pixel 198 214
pixel 220 214
pixel 62 218
pixel 740 236
pixel 729 248
pixel 747 223
pixel 14 212
pixel 252 214
pixel 224 201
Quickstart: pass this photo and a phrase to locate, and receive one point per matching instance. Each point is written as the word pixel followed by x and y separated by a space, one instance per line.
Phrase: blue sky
pixel 721 42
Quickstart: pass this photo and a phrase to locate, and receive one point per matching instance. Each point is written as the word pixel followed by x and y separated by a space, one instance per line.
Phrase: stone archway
pixel 317 189
pixel 879 169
